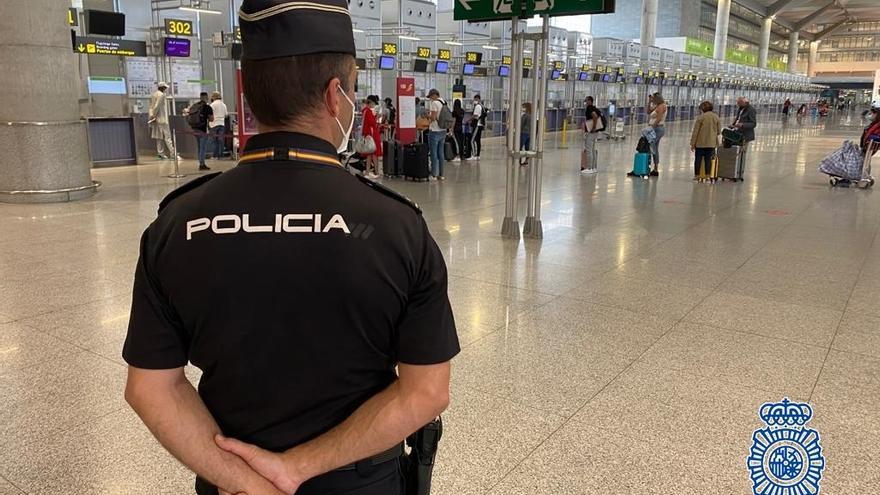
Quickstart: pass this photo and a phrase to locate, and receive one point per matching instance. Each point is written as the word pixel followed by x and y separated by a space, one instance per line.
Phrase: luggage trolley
pixel 865 180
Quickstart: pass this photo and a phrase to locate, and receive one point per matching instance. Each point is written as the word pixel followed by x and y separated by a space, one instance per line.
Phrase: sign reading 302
pixel 389 48
pixel 178 27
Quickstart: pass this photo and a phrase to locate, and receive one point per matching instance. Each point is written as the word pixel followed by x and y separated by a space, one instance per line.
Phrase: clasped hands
pixel 276 468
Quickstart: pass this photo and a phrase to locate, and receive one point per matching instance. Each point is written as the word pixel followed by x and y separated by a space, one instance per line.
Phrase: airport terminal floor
pixel 628 352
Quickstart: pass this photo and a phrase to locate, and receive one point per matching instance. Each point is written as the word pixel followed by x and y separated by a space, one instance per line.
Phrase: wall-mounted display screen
pixel 527 73
pixel 582 76
pixel 606 77
pixel 420 65
pixel 640 80
pixel 468 69
pixel 504 70
pixel 177 47
pixel 555 74
pixel 104 22
pixel 441 67
pixel 360 63
pixel 386 63
pixel 107 86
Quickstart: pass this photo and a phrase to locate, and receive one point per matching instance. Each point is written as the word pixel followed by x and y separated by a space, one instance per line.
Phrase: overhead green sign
pixel 699 47
pixel 555 8
pixel 497 10
pixel 486 10
pixel 741 57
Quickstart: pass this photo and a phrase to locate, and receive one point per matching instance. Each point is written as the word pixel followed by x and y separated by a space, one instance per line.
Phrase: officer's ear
pixel 334 97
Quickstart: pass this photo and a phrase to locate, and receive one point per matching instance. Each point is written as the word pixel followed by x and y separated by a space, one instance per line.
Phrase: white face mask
pixel 345 134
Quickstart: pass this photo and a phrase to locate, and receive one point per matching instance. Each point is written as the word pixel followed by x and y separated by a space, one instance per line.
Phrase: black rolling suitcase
pixel 449 148
pixel 415 161
pixel 392 159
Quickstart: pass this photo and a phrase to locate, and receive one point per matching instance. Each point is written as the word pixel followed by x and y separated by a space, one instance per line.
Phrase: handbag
pixel 365 146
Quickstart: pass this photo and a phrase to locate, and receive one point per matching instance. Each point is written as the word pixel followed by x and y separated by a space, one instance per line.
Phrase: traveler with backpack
pixel 441 122
pixel 594 124
pixel 197 116
pixel 462 146
pixel 478 122
pixel 390 118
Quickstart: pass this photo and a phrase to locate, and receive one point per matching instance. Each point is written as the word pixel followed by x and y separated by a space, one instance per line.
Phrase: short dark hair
pixel 590 98
pixel 477 97
pixel 284 90
pixel 707 106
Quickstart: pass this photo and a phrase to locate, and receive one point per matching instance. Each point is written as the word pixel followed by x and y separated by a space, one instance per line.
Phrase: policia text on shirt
pixel 314 301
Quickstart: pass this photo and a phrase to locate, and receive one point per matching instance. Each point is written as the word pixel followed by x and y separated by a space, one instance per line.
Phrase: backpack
pixel 643 146
pixel 445 120
pixel 602 118
pixel 195 116
pixel 484 115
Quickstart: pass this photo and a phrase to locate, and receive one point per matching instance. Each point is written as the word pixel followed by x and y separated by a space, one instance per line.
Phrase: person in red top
pixel 371 128
pixel 872 130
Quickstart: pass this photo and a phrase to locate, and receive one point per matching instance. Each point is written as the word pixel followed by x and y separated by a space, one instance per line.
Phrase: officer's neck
pixel 317 130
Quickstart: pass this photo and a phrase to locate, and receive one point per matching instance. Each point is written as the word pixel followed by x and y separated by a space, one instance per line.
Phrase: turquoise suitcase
pixel 641 163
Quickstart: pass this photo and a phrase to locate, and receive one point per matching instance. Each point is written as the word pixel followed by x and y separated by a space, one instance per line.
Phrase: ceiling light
pixel 527 51
pixel 411 38
pixel 490 47
pixel 602 60
pixel 200 10
pixel 355 30
pixel 453 43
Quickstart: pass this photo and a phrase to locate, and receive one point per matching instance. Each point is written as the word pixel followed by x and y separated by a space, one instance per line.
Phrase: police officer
pixel 314 302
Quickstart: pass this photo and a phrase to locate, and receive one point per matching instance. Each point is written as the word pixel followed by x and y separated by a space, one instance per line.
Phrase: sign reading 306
pixel 389 48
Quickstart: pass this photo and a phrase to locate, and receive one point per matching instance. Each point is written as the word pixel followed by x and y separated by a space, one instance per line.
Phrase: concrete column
pixel 792 51
pixel 814 56
pixel 722 21
pixel 43 141
pixel 875 96
pixel 648 35
pixel 765 42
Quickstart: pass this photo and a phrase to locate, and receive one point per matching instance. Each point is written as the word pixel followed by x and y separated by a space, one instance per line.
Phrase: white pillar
pixel 875 96
pixel 649 23
pixel 792 51
pixel 814 56
pixel 765 42
pixel 722 21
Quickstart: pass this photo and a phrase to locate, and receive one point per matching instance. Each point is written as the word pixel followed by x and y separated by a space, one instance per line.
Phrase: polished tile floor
pixel 628 352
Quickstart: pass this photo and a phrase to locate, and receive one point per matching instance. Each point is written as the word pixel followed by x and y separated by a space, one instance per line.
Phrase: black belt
pixel 389 455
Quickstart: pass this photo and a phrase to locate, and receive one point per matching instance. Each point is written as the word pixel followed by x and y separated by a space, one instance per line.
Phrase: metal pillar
pixel 530 223
pixel 535 229
pixel 792 51
pixel 722 22
pixel 510 225
pixel 649 24
pixel 764 50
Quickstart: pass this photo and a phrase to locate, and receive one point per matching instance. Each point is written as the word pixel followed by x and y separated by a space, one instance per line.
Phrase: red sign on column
pixel 406 110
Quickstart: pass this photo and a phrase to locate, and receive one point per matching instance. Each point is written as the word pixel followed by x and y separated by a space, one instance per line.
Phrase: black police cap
pixel 278 28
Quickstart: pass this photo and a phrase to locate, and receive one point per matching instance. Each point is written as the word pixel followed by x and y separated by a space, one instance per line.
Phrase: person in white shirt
pixel 478 121
pixel 436 136
pixel 157 117
pixel 217 125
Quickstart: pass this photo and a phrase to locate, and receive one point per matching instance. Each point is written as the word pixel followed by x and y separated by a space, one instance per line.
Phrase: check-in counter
pixel 112 141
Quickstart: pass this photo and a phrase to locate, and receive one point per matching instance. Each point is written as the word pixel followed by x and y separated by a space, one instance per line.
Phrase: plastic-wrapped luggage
pixel 844 162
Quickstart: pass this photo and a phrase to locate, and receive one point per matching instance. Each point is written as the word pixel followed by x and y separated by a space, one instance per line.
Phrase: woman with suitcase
pixel 704 140
pixel 371 129
pixel 657 121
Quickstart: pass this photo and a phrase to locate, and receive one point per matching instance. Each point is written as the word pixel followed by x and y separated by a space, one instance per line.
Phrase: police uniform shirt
pixel 294 286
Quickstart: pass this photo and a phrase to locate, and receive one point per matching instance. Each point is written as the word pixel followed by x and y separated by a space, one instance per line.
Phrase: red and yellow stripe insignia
pixel 293 155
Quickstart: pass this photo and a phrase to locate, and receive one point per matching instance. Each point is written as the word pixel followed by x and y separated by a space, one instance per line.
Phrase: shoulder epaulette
pixel 189 186
pixel 391 193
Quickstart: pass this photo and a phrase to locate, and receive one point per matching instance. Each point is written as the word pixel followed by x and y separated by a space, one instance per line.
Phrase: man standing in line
pixel 478 121
pixel 198 117
pixel 592 128
pixel 217 125
pixel 746 121
pixel 157 117
pixel 436 136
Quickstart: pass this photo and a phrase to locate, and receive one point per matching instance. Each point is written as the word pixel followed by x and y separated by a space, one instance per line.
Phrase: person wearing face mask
pixel 314 300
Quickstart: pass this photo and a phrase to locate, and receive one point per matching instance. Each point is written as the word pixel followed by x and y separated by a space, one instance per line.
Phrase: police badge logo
pixel 786 458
